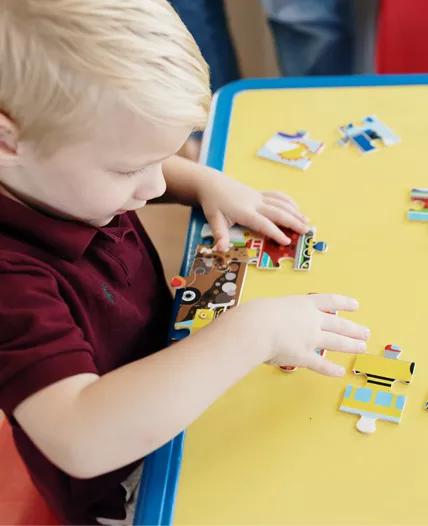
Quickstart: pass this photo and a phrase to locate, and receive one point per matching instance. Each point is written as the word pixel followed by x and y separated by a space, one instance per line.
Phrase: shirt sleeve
pixel 40 343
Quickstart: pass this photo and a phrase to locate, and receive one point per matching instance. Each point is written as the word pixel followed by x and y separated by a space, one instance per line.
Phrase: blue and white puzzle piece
pixel 363 136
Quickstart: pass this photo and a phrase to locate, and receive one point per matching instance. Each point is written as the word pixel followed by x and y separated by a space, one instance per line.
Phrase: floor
pixel 167 226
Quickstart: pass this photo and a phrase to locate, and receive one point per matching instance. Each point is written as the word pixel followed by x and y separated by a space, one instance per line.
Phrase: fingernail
pixel 354 303
pixel 367 333
pixel 340 371
pixel 362 346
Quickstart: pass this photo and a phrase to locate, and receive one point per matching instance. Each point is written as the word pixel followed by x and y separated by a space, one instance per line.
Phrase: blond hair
pixel 63 60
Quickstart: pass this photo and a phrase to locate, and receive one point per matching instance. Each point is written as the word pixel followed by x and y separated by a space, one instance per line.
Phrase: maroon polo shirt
pixel 74 299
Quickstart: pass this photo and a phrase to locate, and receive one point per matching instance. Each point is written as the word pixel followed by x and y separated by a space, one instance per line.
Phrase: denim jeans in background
pixel 206 21
pixel 313 37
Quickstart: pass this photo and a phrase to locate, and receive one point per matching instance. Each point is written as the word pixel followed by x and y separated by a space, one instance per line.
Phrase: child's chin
pixel 101 222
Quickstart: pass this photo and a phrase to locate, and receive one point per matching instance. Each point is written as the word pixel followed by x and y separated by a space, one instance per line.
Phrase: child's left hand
pixel 226 202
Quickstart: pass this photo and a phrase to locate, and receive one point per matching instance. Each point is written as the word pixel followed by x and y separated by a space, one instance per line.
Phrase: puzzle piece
pixel 293 150
pixel 239 237
pixel 300 250
pixel 365 135
pixel 267 254
pixel 201 319
pixel 214 285
pixel 321 352
pixel 418 208
pixel 376 402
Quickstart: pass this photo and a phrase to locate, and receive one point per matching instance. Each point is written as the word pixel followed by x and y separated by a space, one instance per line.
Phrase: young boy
pixel 96 96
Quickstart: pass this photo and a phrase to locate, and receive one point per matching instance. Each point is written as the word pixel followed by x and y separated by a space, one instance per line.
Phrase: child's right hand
pixel 292 328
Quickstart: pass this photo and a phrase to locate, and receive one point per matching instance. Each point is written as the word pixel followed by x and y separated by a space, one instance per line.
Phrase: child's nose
pixel 151 189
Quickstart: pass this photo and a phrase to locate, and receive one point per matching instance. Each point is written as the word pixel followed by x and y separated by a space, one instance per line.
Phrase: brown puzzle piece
pixel 214 284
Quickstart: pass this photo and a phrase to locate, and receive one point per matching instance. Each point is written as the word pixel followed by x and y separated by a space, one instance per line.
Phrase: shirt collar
pixel 68 239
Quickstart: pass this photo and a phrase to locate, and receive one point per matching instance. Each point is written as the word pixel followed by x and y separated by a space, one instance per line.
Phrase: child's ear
pixel 8 141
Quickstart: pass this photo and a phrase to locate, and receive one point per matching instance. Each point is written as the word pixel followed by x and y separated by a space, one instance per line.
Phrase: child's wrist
pixel 255 346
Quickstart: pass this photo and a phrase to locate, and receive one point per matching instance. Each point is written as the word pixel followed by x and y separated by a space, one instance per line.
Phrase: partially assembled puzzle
pixel 376 401
pixel 214 285
pixel 293 150
pixel 215 280
pixel 366 135
pixel 418 208
pixel 267 254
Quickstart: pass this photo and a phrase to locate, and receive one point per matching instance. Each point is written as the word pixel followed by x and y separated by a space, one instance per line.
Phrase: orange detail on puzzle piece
pixel 178 282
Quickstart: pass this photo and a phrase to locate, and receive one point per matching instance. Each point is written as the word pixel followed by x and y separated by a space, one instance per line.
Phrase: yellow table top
pixel 275 449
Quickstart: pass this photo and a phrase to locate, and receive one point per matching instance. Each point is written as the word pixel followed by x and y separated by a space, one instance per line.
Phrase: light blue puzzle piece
pixel 363 136
pixel 417 216
pixel 384 399
pixel 363 394
pixel 400 402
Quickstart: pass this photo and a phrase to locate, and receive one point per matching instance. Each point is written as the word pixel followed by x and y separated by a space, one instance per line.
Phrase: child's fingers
pixel 287 207
pixel 281 196
pixel 282 218
pixel 222 244
pixel 336 302
pixel 345 327
pixel 322 366
pixel 261 224
pixel 220 230
pixel 337 342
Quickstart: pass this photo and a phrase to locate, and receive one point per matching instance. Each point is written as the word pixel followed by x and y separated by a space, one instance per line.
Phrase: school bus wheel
pixel 191 296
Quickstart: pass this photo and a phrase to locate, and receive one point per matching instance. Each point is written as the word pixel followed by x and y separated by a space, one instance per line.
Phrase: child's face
pixel 118 169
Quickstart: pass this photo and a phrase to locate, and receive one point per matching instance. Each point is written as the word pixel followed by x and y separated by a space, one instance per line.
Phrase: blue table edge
pixel 159 482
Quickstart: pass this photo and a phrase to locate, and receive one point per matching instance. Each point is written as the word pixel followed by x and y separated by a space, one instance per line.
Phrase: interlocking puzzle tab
pixel 418 209
pixel 214 285
pixel 364 136
pixel 293 150
pixel 267 254
pixel 300 250
pixel 376 402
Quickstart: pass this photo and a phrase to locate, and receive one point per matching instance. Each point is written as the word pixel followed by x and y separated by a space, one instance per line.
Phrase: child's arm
pixel 226 202
pixel 89 425
pixel 181 176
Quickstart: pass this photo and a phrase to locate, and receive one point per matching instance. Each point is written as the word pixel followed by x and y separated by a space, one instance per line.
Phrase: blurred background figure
pixel 207 22
pixel 313 37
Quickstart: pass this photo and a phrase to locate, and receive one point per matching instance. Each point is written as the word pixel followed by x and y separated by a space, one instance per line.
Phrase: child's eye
pixel 132 172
